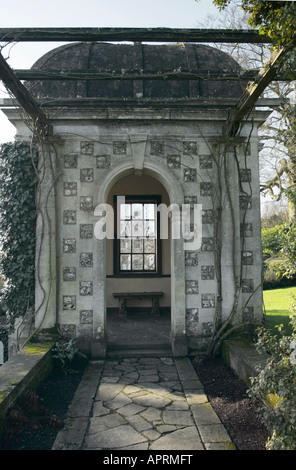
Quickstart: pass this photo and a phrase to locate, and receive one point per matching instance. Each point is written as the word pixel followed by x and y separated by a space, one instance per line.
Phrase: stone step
pixel 138 350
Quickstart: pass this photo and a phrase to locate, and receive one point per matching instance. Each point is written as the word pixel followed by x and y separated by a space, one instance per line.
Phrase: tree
pixel 274 19
pixel 277 20
pixel 275 161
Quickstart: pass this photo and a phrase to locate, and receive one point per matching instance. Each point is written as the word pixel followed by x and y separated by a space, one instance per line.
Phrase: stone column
pixel 99 339
pixel 178 301
pixel 45 284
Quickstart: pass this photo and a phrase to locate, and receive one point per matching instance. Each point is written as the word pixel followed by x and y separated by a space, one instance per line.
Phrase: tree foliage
pixel 277 20
pixel 274 386
pixel 17 227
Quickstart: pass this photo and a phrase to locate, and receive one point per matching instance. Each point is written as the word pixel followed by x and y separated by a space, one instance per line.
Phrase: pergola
pixel 258 79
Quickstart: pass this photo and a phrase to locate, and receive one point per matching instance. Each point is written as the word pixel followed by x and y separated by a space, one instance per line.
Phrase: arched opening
pixel 137 264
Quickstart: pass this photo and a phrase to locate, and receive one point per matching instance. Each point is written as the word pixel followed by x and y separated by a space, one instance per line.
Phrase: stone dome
pixel 137 57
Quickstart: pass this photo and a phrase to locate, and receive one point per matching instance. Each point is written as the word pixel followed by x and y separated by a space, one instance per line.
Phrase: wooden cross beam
pixel 131 34
pixel 35 74
pixel 23 97
pixel 253 92
pixel 243 75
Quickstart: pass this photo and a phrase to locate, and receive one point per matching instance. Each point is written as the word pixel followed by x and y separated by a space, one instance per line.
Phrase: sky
pixel 89 13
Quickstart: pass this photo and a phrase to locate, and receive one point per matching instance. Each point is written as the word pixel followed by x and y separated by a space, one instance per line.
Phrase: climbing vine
pixel 17 227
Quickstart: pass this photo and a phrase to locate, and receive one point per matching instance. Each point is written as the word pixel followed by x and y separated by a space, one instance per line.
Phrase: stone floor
pixel 141 403
pixel 138 329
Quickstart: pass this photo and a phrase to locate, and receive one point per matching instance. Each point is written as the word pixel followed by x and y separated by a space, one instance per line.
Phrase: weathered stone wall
pixel 90 152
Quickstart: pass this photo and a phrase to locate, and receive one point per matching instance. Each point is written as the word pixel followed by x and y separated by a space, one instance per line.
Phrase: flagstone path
pixel 141 403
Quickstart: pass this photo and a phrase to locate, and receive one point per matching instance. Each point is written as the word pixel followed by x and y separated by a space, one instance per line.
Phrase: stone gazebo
pixel 132 130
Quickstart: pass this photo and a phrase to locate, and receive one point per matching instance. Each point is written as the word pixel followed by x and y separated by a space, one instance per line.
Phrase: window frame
pixel 141 199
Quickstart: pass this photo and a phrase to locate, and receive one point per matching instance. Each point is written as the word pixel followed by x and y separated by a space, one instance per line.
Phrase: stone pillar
pixel 230 234
pixel 45 283
pixel 178 301
pixel 99 340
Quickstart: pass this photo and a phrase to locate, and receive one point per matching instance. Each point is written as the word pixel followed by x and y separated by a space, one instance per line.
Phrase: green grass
pixel 277 305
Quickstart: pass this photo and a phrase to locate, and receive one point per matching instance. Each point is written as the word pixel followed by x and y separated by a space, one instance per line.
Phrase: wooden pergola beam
pixel 23 97
pixel 244 75
pixel 131 34
pixel 253 92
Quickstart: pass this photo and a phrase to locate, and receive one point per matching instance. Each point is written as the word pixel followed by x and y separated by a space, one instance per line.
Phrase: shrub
pixel 65 352
pixel 273 239
pixel 275 386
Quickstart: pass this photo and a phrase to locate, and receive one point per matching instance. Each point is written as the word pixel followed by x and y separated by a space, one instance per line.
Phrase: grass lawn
pixel 277 305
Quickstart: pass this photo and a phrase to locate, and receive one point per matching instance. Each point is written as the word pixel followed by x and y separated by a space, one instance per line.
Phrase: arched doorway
pixel 137 264
pixel 171 185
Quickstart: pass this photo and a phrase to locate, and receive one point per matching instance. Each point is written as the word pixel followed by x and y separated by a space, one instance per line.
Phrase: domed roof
pixel 120 59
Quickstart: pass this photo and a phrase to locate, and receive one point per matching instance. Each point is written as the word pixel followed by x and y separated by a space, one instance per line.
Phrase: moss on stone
pixel 38 348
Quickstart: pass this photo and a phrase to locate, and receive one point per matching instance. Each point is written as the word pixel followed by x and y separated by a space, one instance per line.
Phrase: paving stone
pixel 173 385
pixel 72 434
pixel 152 400
pixel 143 446
pixel 150 378
pixel 193 384
pixel 213 433
pixel 112 373
pixel 178 405
pixel 220 446
pixel 125 367
pixel 204 414
pixel 150 360
pixel 131 389
pixel 178 417
pixel 168 376
pixel 126 381
pixel 109 421
pixel 99 409
pixel 131 409
pixel 108 391
pixel 119 401
pixel 110 379
pixel 164 428
pixel 182 439
pixel 167 369
pixel 139 423
pixel 155 388
pixel 151 414
pixel 176 396
pixel 132 375
pixel 121 436
pixel 151 434
pixel 195 398
pixel 148 372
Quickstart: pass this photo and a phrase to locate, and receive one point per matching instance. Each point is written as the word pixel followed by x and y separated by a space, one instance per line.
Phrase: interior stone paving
pixel 141 403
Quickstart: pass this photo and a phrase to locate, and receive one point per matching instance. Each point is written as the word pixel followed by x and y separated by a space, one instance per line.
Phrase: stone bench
pixel 124 296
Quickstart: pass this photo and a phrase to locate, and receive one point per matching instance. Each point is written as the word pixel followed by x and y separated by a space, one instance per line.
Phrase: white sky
pixel 89 13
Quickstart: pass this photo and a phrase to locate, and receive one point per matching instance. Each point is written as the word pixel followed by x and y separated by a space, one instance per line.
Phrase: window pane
pixel 138 246
pixel 149 262
pixel 149 228
pixel 138 262
pixel 149 246
pixel 125 262
pixel 137 228
pixel 125 229
pixel 149 211
pixel 125 211
pixel 125 245
pixel 137 211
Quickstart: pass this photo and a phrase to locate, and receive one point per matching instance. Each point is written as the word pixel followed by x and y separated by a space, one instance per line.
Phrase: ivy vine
pixel 18 180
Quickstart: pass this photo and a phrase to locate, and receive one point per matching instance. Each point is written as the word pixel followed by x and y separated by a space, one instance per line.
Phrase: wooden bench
pixel 124 296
